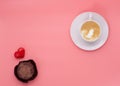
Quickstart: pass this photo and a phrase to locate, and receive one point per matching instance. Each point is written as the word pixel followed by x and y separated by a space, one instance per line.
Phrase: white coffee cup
pixel 90 30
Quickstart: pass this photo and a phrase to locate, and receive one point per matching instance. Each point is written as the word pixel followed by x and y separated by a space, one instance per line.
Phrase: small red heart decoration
pixel 20 53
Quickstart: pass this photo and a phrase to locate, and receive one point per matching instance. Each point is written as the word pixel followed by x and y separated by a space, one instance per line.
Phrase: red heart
pixel 20 53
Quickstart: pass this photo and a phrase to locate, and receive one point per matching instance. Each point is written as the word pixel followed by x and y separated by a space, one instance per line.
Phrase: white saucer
pixel 75 31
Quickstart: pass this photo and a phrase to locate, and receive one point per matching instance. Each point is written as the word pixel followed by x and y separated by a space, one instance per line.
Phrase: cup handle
pixel 90 16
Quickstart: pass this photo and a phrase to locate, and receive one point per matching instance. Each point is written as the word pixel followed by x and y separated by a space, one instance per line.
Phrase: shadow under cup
pixel 90 31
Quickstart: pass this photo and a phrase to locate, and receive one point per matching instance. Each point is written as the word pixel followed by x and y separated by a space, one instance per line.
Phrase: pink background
pixel 42 27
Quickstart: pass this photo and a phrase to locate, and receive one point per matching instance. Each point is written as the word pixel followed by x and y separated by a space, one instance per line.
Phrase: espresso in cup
pixel 90 31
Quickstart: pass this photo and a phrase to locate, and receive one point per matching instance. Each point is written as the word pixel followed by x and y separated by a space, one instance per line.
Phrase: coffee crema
pixel 90 31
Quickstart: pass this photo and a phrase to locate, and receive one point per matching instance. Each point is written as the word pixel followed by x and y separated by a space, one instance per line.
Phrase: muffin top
pixel 26 70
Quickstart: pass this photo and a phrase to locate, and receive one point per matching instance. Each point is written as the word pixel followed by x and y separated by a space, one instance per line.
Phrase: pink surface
pixel 42 28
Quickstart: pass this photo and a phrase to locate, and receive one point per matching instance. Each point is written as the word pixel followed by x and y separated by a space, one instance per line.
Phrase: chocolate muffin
pixel 26 70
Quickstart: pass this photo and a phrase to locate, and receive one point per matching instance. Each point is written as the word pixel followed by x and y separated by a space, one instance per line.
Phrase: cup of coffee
pixel 90 30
